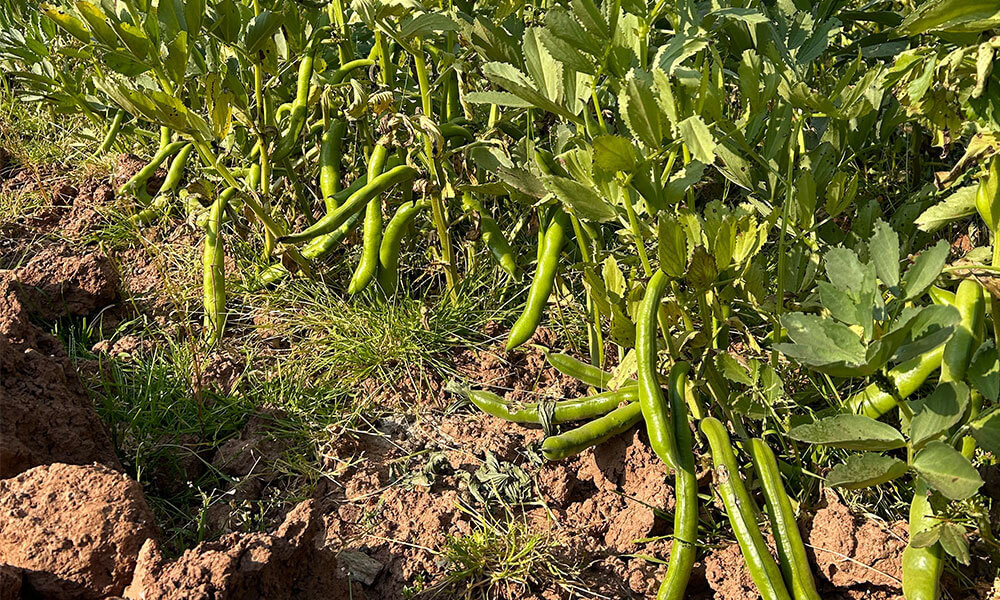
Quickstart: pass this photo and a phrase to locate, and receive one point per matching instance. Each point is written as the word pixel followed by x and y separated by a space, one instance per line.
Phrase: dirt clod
pixel 293 562
pixel 74 530
pixel 47 416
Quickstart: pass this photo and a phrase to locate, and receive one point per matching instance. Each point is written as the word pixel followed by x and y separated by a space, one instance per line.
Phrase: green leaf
pixel 936 413
pixel 954 541
pixel 986 430
pixel 958 205
pixel 499 98
pixel 545 71
pixel 426 24
pixel 947 471
pixel 925 270
pixel 698 138
pixel 98 23
pixel 514 81
pixel 681 181
pixel 865 470
pixel 731 369
pixel 672 248
pixel 851 432
pixel 984 371
pixel 177 57
pixel 261 29
pixel 820 341
pixel 194 14
pixel 639 108
pixel 927 537
pixel 579 199
pixel 956 16
pixel 566 53
pixel 702 271
pixel 614 153
pixel 884 252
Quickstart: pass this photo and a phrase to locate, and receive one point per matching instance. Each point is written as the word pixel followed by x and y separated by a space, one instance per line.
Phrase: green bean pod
pixel 330 153
pixel 372 237
pixel 451 130
pixel 791 550
pixel 654 405
pixel 388 253
pixel 498 245
pixel 174 175
pixel 140 178
pixel 215 268
pixel 541 285
pixel 590 434
pixel 577 409
pixel 683 549
pixel 300 106
pixel 587 373
pixel 941 296
pixel 495 240
pixel 740 510
pixel 345 69
pixel 112 135
pixel 906 377
pixel 958 350
pixel 357 201
pixel 922 567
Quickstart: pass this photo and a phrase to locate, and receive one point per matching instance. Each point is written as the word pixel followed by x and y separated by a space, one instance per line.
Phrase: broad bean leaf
pixel 986 430
pixel 884 252
pixel 925 270
pixel 947 471
pixel 851 432
pixel 936 413
pixel 984 371
pixel 614 153
pixel 822 344
pixel 672 248
pixel 699 139
pixel 579 199
pixel 959 205
pixel 865 470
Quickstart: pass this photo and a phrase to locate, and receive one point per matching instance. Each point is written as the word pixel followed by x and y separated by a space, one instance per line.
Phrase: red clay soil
pixel 293 562
pixel 73 530
pixel 47 416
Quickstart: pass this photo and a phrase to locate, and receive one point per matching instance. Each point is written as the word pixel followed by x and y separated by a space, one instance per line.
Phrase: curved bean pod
pixel 112 135
pixel 682 552
pixel 388 253
pixel 740 509
pixel 140 178
pixel 372 237
pixel 654 405
pixel 354 204
pixel 329 163
pixel 585 372
pixel 541 285
pixel 577 409
pixel 577 440
pixel 215 268
pixel 791 550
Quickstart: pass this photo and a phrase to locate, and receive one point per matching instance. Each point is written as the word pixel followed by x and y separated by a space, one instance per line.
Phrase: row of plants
pixel 750 203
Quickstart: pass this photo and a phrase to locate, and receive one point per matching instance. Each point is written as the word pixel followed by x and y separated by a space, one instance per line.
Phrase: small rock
pixel 359 566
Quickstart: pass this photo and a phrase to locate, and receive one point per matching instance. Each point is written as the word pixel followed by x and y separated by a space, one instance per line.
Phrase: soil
pixel 401 496
pixel 75 531
pixel 47 416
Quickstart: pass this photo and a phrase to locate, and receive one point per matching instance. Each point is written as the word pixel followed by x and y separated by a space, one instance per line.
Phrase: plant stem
pixel 439 212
